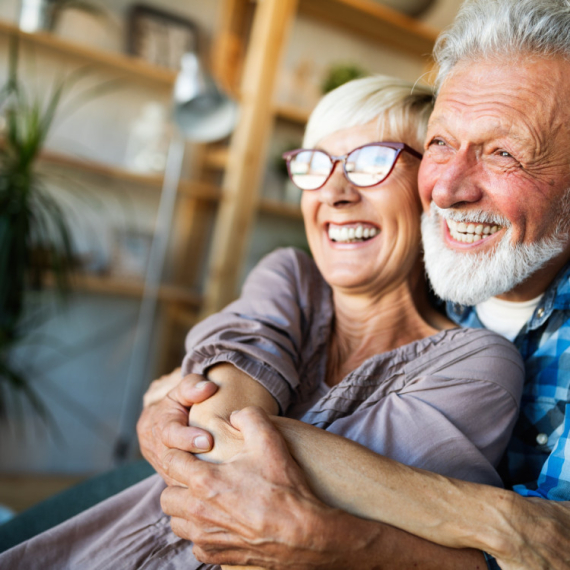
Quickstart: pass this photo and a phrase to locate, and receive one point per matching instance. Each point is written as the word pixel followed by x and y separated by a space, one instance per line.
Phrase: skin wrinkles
pixel 484 110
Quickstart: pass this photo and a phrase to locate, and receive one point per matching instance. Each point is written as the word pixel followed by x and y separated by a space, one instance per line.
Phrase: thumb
pixel 258 431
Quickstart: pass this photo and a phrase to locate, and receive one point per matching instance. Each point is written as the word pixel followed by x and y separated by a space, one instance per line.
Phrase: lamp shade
pixel 201 111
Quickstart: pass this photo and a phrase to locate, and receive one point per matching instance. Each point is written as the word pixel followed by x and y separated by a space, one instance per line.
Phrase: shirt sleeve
pixel 262 333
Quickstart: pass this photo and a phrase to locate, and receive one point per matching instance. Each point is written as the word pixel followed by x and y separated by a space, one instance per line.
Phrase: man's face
pixel 497 164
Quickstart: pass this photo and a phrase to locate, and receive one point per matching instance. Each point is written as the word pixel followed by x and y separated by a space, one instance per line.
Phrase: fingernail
pixel 202 442
pixel 202 384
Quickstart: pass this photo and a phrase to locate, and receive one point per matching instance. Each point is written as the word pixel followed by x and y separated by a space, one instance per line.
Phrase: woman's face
pixel 391 211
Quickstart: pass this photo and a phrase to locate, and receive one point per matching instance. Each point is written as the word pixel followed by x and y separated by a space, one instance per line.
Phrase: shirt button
pixel 541 439
pixel 540 313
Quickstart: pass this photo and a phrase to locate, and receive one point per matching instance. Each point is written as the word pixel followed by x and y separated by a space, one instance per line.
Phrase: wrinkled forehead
pixel 526 100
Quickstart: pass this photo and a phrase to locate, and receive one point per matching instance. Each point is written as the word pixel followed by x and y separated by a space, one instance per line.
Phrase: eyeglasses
pixel 365 166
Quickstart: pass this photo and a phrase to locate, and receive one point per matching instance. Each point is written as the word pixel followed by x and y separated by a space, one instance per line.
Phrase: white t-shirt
pixel 506 317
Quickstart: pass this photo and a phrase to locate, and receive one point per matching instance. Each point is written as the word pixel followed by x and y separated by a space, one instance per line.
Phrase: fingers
pixel 186 438
pixel 258 431
pixel 159 388
pixel 192 389
pixel 183 467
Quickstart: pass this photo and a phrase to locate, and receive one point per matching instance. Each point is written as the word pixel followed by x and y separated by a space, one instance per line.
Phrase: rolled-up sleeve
pixel 263 332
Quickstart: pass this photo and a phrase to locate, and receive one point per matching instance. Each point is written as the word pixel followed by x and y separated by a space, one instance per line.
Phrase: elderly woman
pixel 347 341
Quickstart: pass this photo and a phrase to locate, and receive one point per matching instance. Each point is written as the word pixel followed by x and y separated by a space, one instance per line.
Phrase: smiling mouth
pixel 467 232
pixel 352 233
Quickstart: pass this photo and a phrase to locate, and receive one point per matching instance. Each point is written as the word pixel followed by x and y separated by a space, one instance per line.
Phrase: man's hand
pixel 164 423
pixel 256 509
pixel 540 536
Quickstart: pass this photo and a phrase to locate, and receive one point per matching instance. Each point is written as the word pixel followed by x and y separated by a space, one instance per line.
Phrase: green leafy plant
pixel 340 74
pixel 35 239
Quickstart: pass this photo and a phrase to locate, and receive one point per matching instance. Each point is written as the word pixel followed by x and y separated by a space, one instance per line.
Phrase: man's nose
pixel 338 191
pixel 458 181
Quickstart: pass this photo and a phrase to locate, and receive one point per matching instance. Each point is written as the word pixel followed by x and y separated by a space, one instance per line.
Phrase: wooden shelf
pixel 117 62
pixel 280 209
pixel 129 287
pixel 193 189
pixel 292 113
pixel 216 157
pixel 374 21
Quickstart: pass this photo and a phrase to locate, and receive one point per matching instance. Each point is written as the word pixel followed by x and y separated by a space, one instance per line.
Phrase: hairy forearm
pixel 448 512
pixel 345 475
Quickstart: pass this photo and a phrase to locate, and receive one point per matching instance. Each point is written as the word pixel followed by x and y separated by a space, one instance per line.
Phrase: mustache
pixel 472 216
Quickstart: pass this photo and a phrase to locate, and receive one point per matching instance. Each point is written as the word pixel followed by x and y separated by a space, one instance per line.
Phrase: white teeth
pixel 470 232
pixel 344 234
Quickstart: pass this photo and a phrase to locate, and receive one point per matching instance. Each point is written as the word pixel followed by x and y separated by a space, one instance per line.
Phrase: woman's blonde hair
pixel 400 108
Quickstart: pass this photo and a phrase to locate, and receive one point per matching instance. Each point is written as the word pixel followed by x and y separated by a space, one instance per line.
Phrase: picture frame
pixel 160 38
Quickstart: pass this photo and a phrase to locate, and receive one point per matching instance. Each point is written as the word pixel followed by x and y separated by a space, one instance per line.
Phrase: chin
pixel 471 278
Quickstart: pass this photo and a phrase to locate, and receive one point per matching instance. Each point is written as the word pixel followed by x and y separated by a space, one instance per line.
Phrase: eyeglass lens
pixel 365 166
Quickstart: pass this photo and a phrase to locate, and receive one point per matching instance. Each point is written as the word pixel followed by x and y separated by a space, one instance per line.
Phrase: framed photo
pixel 159 37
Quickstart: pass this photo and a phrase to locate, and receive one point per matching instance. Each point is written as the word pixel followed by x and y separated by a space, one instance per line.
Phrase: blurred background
pixel 89 146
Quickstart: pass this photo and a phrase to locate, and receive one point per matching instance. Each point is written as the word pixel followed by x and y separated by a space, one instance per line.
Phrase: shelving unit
pixel 179 302
pixel 115 62
pixel 129 287
pixel 375 21
pixel 192 189
pixel 242 162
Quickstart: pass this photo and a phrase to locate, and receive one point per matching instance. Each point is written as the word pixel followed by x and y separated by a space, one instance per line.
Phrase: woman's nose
pixel 457 181
pixel 338 191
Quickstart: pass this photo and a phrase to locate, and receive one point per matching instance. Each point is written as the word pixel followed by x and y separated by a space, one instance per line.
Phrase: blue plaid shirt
pixel 537 462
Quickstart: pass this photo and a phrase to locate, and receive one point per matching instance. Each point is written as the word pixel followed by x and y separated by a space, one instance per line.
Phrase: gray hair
pixel 487 29
pixel 401 109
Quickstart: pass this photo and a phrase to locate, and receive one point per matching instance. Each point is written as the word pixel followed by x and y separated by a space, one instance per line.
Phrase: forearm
pixel 445 511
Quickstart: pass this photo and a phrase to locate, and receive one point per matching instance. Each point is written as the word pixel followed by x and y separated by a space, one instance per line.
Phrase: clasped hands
pixel 233 512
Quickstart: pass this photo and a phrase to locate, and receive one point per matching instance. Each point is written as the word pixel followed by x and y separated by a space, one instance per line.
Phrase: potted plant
pixel 34 236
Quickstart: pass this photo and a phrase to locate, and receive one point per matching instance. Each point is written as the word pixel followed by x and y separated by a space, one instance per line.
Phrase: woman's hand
pixel 163 423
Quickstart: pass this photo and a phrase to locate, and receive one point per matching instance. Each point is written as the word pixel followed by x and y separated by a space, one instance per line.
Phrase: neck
pixel 368 325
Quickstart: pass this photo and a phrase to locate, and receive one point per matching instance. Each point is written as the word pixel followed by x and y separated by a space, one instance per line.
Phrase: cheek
pixel 426 179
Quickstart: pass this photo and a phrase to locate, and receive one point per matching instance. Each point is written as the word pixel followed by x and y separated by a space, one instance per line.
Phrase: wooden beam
pixel 229 47
pixel 248 150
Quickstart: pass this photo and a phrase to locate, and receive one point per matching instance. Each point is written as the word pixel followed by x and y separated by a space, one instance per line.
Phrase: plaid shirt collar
pixel 556 297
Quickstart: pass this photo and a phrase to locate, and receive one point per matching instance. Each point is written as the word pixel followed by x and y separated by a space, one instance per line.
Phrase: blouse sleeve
pixel 262 333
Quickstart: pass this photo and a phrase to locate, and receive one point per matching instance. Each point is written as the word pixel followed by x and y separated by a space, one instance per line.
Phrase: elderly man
pixel 495 184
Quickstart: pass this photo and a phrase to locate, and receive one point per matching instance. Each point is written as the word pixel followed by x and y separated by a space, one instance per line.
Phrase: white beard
pixel 470 278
